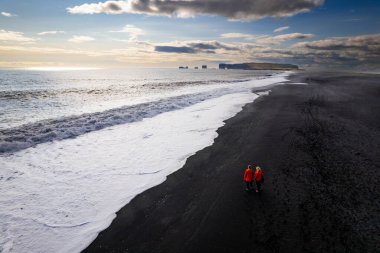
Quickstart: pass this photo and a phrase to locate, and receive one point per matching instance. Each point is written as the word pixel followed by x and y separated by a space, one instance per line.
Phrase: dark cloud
pixel 203 46
pixel 361 48
pixel 190 47
pixel 173 49
pixel 113 7
pixel 278 39
pixel 234 9
pixel 355 53
pixel 211 45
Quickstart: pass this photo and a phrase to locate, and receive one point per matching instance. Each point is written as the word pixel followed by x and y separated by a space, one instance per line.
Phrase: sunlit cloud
pixel 80 39
pixel 43 50
pixel 8 14
pixel 109 7
pixel 49 68
pixel 133 32
pixel 232 9
pixel 51 33
pixel 14 36
pixel 280 29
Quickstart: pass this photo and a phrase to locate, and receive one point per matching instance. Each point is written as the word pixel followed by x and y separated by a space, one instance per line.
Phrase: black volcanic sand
pixel 318 145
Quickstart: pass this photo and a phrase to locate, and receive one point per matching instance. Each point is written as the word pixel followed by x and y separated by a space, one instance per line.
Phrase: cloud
pixel 280 29
pixel 261 40
pixel 354 52
pixel 237 36
pixel 80 39
pixel 14 36
pixel 360 48
pixel 278 39
pixel 133 31
pixel 7 14
pixel 47 50
pixel 195 47
pixel 232 9
pixel 108 7
pixel 367 42
pixel 211 45
pixel 51 32
pixel 173 49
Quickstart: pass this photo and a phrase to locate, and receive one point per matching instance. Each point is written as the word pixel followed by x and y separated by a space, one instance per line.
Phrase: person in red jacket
pixel 259 178
pixel 248 178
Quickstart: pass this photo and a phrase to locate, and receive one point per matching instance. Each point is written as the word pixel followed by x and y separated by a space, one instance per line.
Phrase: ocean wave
pixel 28 94
pixel 29 135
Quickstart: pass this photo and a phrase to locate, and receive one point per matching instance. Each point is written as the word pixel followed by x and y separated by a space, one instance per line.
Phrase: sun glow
pixel 60 68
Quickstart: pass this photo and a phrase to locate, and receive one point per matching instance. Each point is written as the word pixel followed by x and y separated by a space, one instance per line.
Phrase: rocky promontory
pixel 258 66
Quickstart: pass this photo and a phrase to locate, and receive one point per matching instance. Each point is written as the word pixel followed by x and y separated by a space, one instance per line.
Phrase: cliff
pixel 258 66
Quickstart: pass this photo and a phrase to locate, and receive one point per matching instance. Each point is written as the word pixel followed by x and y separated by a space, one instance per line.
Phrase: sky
pixel 341 34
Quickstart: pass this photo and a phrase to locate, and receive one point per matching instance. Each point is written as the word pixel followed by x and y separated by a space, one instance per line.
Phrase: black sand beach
pixel 318 145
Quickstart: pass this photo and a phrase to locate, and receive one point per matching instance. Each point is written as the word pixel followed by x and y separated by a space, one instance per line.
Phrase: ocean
pixel 76 146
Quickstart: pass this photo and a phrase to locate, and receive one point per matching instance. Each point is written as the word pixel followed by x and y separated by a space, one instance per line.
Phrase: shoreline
pixel 96 174
pixel 203 207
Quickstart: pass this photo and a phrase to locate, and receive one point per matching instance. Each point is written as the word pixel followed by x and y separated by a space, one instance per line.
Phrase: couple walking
pixel 250 176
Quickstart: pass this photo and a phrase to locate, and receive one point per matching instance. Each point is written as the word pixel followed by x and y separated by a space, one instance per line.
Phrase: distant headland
pixel 258 66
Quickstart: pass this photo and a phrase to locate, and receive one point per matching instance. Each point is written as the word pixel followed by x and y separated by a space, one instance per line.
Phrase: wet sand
pixel 318 145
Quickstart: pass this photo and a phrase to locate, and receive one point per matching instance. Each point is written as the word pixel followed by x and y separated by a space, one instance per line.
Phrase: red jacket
pixel 259 175
pixel 248 174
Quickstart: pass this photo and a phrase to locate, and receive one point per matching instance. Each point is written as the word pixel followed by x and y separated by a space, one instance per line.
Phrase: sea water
pixel 76 146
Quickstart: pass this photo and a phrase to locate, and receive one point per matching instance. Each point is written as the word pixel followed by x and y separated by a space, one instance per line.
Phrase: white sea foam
pixel 29 135
pixel 57 196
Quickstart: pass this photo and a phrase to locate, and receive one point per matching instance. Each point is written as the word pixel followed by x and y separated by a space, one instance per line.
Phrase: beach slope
pixel 318 145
